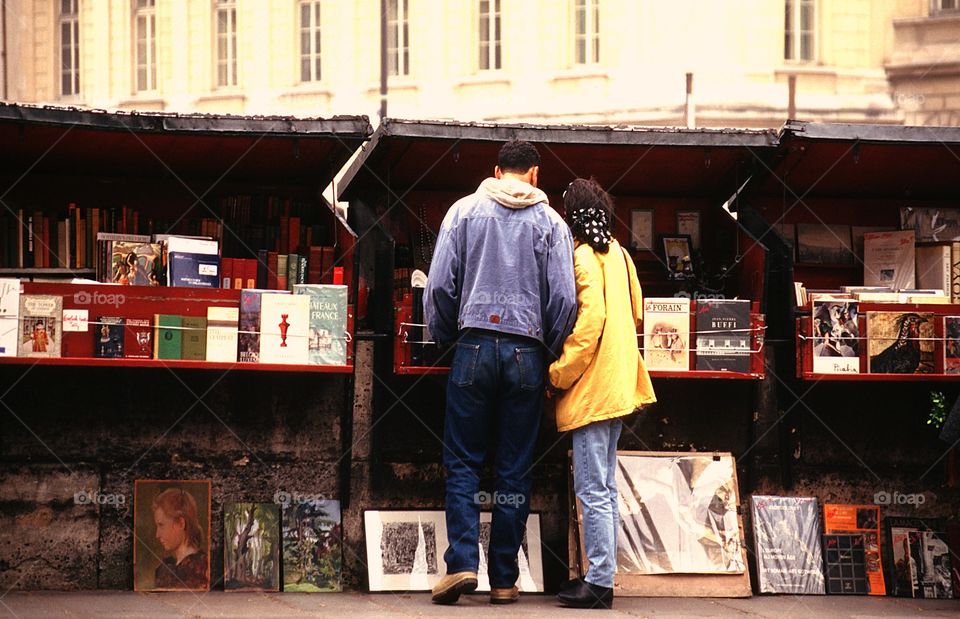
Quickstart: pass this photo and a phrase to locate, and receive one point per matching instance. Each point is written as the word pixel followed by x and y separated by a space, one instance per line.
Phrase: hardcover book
pixel 723 335
pixel 167 336
pixel 9 316
pixel 836 337
pixel 284 328
pixel 666 333
pixel 328 323
pixel 193 344
pixel 865 521
pixel 786 531
pixel 222 333
pixel 194 270
pixel 108 337
pixel 135 264
pixel 138 338
pixel 249 334
pixel 889 259
pixel 40 325
pixel 900 343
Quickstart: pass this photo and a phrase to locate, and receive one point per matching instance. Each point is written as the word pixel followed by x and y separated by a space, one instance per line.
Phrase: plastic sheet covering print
pixel 678 515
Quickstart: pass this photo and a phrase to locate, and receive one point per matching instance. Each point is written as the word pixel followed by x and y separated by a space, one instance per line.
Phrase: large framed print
pixel 688 223
pixel 824 244
pixel 641 229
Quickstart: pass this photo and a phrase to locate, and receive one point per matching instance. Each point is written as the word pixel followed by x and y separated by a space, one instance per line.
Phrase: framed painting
pixel 641 229
pixel 251 547
pixel 688 223
pixel 312 546
pixel 171 535
pixel 678 256
pixel 405 549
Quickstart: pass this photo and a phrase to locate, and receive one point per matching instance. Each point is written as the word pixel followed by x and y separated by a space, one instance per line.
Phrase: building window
pixel 586 19
pixel 145 35
pixel 226 11
pixel 799 29
pixel 310 41
pixel 398 42
pixel 944 6
pixel 69 48
pixel 489 35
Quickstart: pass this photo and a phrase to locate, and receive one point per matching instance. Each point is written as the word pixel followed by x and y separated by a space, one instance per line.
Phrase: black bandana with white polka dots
pixel 590 225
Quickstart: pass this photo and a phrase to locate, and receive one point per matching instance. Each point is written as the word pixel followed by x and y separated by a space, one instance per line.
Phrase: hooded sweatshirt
pixel 503 262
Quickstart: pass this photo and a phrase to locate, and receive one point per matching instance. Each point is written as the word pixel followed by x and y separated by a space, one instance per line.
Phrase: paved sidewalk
pixel 352 605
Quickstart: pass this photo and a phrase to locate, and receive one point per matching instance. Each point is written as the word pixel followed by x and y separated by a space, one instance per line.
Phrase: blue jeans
pixel 494 400
pixel 595 484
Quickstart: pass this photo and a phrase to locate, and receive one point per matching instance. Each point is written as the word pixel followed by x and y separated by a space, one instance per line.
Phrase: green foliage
pixel 938 409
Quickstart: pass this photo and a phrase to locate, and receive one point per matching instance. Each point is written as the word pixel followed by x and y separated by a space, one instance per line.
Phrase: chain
pixel 426 236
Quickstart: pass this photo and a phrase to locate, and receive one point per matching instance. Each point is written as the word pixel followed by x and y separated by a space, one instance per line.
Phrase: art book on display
pixel 328 323
pixel 40 325
pixel 9 315
pixel 138 338
pixel 836 337
pixel 666 333
pixel 786 531
pixel 900 342
pixel 249 330
pixel 135 264
pixel 284 328
pixel 723 335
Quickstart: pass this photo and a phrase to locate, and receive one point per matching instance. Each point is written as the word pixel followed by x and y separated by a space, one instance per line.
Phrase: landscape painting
pixel 251 547
pixel 312 546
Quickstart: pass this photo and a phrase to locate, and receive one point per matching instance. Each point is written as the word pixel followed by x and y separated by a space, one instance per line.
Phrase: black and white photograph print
pixel 405 549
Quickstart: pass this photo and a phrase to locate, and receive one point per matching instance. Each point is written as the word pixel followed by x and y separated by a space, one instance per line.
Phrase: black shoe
pixel 568 585
pixel 583 594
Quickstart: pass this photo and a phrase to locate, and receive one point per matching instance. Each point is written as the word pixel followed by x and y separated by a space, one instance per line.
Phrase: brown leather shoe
pixel 504 596
pixel 448 590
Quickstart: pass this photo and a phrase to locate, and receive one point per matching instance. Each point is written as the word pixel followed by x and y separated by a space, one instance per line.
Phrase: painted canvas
pixel 251 547
pixel 171 546
pixel 312 546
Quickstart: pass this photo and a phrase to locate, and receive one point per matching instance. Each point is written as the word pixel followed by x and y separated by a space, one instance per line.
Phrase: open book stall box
pixel 181 219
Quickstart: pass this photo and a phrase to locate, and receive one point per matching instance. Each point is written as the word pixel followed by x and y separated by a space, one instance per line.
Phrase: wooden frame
pixel 641 229
pixel 678 256
pixel 144 531
pixel 688 223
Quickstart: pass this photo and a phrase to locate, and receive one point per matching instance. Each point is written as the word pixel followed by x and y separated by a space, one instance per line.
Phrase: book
pixel 955 272
pixel 282 266
pixel 723 335
pixel 167 336
pixel 138 338
pixel 786 532
pixel 902 569
pixel 9 316
pixel 40 325
pixel 249 328
pixel 889 259
pixel 900 343
pixel 193 270
pixel 193 344
pixel 951 345
pixel 284 328
pixel 108 337
pixel 666 333
pixel 934 267
pixel 865 521
pixel 836 337
pixel 222 333
pixel 135 264
pixel 328 323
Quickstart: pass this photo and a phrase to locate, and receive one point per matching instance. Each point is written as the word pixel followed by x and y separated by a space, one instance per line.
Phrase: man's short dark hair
pixel 518 156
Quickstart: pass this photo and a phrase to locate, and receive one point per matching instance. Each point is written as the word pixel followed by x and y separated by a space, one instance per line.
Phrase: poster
pixel 789 555
pixel 864 519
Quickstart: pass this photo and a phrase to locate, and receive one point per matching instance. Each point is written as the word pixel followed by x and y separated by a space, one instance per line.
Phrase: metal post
pixel 3 45
pixel 383 59
pixel 690 111
pixel 792 97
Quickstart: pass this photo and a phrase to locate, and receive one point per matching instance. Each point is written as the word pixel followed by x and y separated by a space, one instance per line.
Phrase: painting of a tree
pixel 312 553
pixel 251 547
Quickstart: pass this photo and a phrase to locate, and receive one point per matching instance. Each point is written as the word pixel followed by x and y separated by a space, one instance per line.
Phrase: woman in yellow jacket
pixel 602 378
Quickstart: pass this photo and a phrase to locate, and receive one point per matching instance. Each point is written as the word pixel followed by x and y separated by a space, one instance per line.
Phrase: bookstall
pixel 666 183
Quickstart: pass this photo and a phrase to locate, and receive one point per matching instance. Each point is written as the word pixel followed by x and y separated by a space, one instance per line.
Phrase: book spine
pixel 262 266
pixel 955 272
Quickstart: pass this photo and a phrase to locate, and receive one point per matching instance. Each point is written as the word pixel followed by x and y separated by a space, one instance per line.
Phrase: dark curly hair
pixel 589 211
pixel 518 156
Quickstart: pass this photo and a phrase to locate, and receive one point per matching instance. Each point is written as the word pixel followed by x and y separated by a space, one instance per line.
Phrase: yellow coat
pixel 600 370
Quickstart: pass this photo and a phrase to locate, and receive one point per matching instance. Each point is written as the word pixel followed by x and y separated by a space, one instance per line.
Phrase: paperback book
pixel 193 345
pixel 138 338
pixel 328 323
pixel 723 335
pixel 836 337
pixel 666 333
pixel 889 259
pixel 9 316
pixel 135 264
pixel 40 325
pixel 900 342
pixel 284 328
pixel 222 333
pixel 167 336
pixel 108 337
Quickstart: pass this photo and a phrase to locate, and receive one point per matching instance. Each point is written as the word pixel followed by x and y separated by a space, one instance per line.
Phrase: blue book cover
pixel 194 270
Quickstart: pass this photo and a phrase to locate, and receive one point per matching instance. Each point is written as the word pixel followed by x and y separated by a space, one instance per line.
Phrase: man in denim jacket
pixel 501 289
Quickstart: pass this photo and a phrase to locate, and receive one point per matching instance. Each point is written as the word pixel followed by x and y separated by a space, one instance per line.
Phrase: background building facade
pixel 591 61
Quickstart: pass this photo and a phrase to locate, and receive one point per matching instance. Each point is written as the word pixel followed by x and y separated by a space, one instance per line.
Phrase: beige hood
pixel 512 193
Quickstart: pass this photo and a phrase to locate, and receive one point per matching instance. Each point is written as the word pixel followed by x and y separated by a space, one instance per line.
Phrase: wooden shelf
pixel 175 364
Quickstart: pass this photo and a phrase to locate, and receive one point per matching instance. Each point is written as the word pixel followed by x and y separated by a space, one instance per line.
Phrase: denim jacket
pixel 503 262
